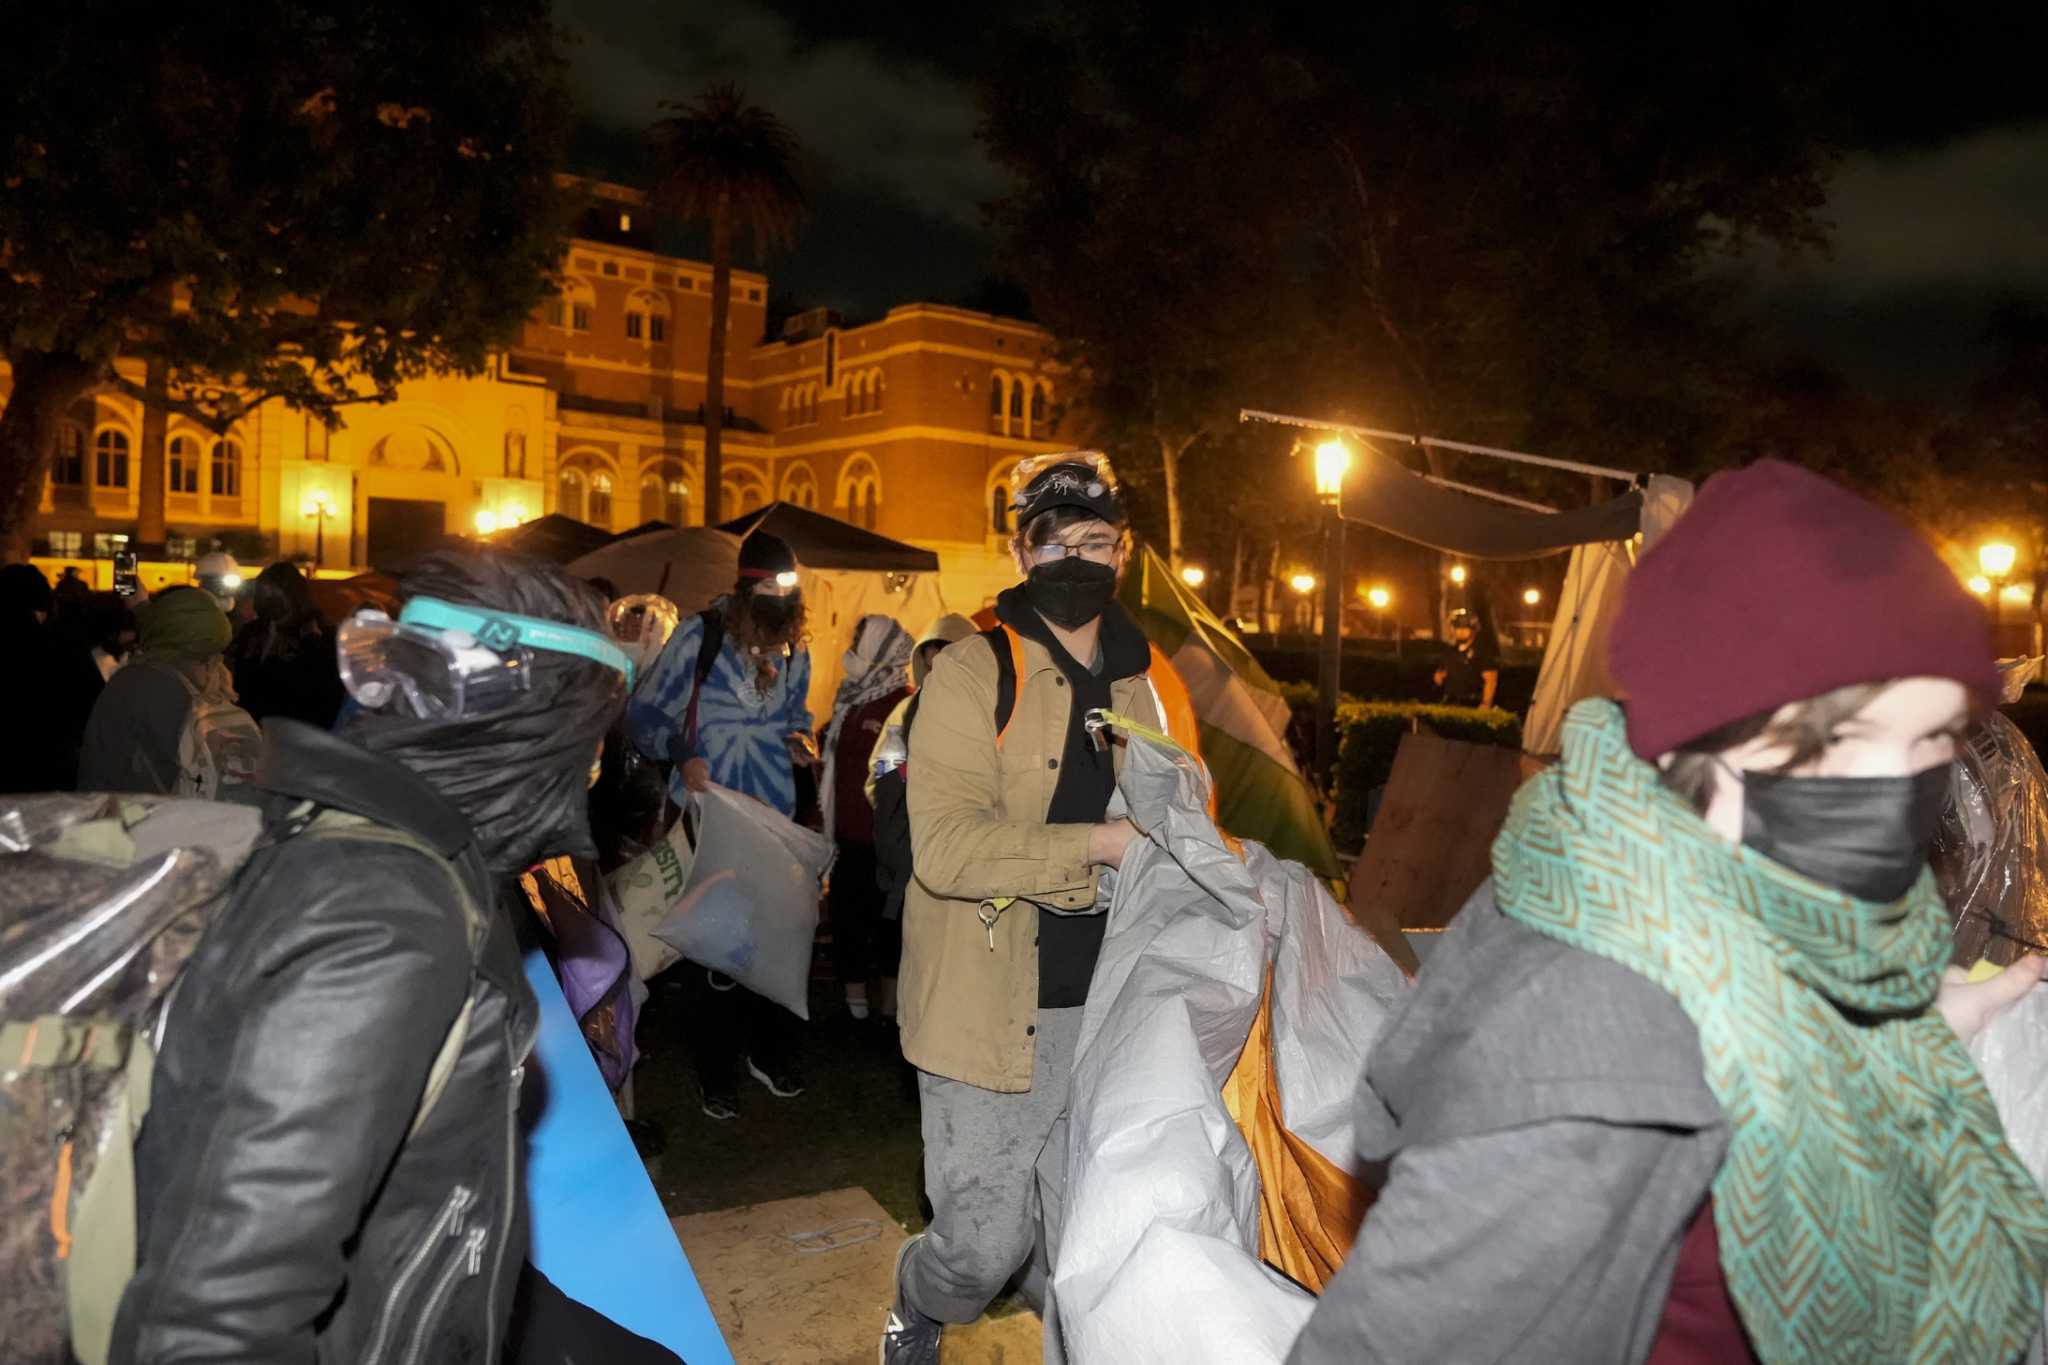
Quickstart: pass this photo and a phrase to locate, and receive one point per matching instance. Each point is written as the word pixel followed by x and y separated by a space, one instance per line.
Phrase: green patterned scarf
pixel 1869 1209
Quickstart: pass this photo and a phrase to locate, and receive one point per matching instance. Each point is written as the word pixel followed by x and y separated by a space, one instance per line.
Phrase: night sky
pixel 1940 206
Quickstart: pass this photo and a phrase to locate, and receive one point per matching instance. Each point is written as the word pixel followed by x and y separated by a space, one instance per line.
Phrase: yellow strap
pixel 1116 721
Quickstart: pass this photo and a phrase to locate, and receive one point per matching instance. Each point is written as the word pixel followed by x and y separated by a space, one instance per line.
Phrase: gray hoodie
pixel 1547 1133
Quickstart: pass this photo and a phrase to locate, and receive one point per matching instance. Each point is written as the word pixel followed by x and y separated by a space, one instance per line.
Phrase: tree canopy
pixel 1499 222
pixel 303 201
pixel 733 166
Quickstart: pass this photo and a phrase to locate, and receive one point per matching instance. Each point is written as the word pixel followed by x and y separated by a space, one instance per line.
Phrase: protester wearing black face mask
pixel 1002 924
pixel 727 703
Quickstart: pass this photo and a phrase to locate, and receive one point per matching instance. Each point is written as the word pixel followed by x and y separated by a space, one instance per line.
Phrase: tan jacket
pixel 968 991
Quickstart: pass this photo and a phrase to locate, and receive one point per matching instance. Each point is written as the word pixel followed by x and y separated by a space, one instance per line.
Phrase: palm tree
pixel 731 164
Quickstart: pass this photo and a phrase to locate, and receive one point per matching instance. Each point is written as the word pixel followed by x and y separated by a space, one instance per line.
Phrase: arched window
pixel 999 509
pixel 110 459
pixel 874 390
pixel 600 499
pixel 810 402
pixel 181 465
pixel 800 486
pixel 227 469
pixel 664 496
pixel 860 491
pixel 853 397
pixel 572 309
pixel 68 469
pixel 1040 398
pixel 569 487
pixel 995 398
pixel 1017 407
pixel 647 317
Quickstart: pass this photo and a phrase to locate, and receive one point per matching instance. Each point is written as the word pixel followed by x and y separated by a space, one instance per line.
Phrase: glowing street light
pixel 1533 597
pixel 1333 459
pixel 1303 583
pixel 486 521
pixel 1459 575
pixel 320 507
pixel 1981 586
pixel 1194 575
pixel 1380 598
pixel 1996 559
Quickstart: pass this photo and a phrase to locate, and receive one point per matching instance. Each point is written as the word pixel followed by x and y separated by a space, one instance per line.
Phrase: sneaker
pixel 720 1106
pixel 783 1084
pixel 908 1336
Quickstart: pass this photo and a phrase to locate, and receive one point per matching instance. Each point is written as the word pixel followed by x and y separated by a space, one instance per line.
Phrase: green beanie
pixel 183 623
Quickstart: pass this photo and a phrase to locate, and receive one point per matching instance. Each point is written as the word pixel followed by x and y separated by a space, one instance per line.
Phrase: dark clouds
pixel 1949 216
pixel 897 178
pixel 1927 239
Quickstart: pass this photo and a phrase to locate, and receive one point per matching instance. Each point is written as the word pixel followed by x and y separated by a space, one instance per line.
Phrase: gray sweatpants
pixel 992 1162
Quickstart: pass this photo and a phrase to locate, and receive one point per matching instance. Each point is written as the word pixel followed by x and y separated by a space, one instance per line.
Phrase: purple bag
pixel 590 959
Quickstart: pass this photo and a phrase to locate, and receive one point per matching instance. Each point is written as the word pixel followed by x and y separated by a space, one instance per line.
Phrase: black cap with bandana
pixel 1070 483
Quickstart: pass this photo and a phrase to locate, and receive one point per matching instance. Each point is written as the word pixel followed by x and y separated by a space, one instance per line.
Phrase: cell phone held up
pixel 127 582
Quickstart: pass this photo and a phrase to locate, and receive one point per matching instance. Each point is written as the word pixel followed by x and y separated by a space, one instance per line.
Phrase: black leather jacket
pixel 285 1214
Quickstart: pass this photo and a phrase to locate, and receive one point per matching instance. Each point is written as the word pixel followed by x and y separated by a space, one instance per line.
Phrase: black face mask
pixel 771 615
pixel 1866 836
pixel 1070 592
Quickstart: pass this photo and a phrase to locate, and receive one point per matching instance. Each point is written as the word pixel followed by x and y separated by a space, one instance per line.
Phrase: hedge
pixel 1411 677
pixel 1372 732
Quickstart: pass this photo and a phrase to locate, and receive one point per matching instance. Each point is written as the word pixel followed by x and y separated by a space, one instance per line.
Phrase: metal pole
pixel 1406 438
pixel 1333 643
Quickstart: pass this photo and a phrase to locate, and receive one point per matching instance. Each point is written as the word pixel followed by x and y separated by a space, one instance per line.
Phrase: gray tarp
pixel 1380 491
pixel 1156 1254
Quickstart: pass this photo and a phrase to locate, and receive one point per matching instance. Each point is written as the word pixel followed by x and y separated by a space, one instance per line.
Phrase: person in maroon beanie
pixel 1684 1082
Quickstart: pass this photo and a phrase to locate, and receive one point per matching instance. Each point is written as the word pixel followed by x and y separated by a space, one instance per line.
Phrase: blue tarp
pixel 597 1226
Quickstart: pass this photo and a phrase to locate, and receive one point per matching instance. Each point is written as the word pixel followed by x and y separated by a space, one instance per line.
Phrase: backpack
pixel 219 747
pixel 104 899
pixel 893 869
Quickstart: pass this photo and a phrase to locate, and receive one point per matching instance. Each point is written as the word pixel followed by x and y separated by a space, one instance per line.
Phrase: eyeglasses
pixel 1094 549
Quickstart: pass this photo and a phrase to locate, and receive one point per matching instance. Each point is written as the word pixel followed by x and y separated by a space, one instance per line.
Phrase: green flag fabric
pixel 1241 716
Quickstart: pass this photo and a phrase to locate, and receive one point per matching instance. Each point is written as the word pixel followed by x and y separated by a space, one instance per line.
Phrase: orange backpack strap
pixel 1008 647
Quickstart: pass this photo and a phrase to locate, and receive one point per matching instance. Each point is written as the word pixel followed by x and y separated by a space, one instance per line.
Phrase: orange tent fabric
pixel 1309 1208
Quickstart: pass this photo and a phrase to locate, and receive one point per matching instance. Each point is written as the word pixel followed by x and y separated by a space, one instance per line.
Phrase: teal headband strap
pixel 504 631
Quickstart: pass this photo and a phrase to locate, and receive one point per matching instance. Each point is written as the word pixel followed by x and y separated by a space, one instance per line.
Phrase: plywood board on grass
pixel 780 1306
pixel 1431 843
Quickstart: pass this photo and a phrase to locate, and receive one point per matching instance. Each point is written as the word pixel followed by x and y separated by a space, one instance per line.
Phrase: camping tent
pixel 847 572
pixel 1241 715
pixel 554 537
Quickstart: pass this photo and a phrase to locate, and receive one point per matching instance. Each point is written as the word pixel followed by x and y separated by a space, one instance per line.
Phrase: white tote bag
pixel 749 907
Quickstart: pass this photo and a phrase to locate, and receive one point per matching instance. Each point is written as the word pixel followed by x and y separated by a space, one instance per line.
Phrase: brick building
pixel 907 425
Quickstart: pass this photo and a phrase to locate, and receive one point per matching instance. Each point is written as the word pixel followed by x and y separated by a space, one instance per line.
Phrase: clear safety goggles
pixel 1031 466
pixel 641 624
pixel 451 661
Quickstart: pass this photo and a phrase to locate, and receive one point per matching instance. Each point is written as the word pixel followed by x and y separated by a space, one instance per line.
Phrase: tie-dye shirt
pixel 742 733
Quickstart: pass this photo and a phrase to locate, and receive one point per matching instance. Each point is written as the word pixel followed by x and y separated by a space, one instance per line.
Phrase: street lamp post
pixel 1996 559
pixel 1333 458
pixel 320 509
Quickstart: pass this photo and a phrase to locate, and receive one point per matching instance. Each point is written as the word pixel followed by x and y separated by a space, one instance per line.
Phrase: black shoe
pixel 648 1139
pixel 908 1336
pixel 719 1104
pixel 783 1082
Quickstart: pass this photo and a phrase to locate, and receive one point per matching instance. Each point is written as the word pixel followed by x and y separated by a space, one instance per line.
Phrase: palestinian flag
pixel 1240 714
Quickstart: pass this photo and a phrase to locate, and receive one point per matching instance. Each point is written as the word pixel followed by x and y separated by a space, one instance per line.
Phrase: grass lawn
pixel 855 1123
